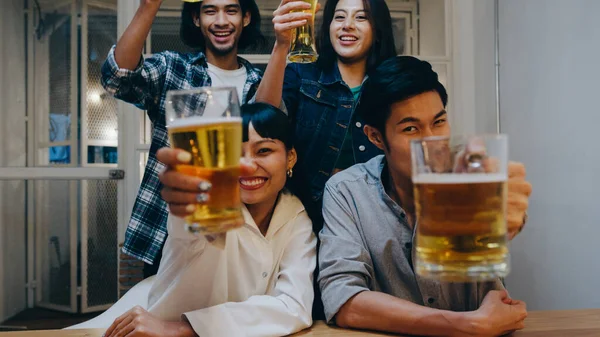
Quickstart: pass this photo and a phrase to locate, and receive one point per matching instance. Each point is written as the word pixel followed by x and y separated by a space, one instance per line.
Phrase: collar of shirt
pixel 287 207
pixel 331 75
pixel 249 287
pixel 375 172
pixel 254 74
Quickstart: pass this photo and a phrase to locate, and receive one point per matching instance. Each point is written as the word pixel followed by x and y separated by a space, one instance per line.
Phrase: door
pixel 67 182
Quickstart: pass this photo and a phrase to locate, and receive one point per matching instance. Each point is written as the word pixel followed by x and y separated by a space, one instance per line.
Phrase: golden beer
pixel 215 146
pixel 303 48
pixel 461 230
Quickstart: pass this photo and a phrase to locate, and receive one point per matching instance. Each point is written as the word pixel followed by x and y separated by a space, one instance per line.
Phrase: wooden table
pixel 570 323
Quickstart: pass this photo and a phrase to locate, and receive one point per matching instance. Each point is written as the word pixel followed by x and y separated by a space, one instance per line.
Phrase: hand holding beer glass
pixel 288 19
pixel 303 48
pixel 460 191
pixel 206 123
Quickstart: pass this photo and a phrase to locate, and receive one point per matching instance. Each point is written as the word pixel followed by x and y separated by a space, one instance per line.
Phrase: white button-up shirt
pixel 253 285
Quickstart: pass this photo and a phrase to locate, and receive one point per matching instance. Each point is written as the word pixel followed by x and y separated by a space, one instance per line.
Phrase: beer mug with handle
pixel 303 48
pixel 460 193
pixel 206 122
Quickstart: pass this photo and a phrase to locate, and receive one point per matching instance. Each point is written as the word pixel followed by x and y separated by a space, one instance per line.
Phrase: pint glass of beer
pixel 303 48
pixel 460 195
pixel 206 123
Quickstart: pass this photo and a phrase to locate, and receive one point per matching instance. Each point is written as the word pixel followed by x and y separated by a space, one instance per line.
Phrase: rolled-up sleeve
pixel 345 266
pixel 141 86
pixel 283 311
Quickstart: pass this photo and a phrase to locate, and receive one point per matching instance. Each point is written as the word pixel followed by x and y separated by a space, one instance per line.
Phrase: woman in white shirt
pixel 253 281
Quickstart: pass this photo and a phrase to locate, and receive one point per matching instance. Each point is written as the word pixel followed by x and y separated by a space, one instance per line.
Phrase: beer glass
pixel 303 48
pixel 206 123
pixel 460 193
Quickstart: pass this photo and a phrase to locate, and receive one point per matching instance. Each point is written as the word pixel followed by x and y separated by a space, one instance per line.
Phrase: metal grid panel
pixel 102 263
pixel 53 214
pixel 60 79
pixel 102 120
pixel 60 91
pixel 165 35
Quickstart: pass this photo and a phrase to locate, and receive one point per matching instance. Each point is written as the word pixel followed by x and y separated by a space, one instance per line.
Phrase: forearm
pixel 378 311
pixel 130 45
pixel 184 329
pixel 271 87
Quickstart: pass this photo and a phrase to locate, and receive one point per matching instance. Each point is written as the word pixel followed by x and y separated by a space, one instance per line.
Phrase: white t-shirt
pixel 228 78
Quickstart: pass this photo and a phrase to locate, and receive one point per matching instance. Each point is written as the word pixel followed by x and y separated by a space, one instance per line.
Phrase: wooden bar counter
pixel 569 323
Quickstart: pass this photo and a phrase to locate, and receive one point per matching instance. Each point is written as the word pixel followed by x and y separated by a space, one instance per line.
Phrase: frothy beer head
pixel 474 178
pixel 201 122
pixel 214 143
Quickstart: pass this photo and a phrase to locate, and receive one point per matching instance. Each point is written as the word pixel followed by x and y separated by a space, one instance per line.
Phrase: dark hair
pixel 191 35
pixel 380 19
pixel 395 80
pixel 269 122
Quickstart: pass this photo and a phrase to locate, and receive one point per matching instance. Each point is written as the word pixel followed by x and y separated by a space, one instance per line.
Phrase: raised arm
pixel 130 45
pixel 126 75
pixel 271 87
pixel 345 277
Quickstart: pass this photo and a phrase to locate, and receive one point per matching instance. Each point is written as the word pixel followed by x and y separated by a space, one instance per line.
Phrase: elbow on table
pixel 305 318
pixel 299 321
pixel 346 318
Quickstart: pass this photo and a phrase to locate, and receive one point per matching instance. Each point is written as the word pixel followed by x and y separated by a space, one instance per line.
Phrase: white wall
pixel 12 153
pixel 550 108
pixel 484 66
pixel 473 85
pixel 432 28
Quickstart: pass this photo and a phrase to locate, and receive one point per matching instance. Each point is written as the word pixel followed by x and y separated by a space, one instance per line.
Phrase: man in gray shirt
pixel 366 274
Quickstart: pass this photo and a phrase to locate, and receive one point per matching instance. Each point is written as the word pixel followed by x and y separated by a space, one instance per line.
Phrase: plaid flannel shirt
pixel 146 88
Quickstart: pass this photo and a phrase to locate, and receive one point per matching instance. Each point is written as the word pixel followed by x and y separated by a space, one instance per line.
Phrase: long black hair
pixel 269 122
pixel 380 19
pixel 192 36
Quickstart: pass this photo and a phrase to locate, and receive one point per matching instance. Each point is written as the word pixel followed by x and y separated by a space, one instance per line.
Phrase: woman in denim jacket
pixel 321 97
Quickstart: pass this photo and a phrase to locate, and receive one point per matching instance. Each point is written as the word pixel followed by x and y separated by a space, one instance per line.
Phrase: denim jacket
pixel 322 107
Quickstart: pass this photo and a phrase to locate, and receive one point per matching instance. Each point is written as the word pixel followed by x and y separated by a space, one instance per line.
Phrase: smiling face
pixel 221 23
pixel 270 161
pixel 350 31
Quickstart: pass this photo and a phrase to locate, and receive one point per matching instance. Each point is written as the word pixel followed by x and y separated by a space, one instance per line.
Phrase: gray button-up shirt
pixel 367 244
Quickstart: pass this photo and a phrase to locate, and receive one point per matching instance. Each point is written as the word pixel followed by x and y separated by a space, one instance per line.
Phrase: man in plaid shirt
pixel 215 27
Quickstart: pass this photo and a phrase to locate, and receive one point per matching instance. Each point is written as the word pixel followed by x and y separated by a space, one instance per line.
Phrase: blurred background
pixel 72 157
